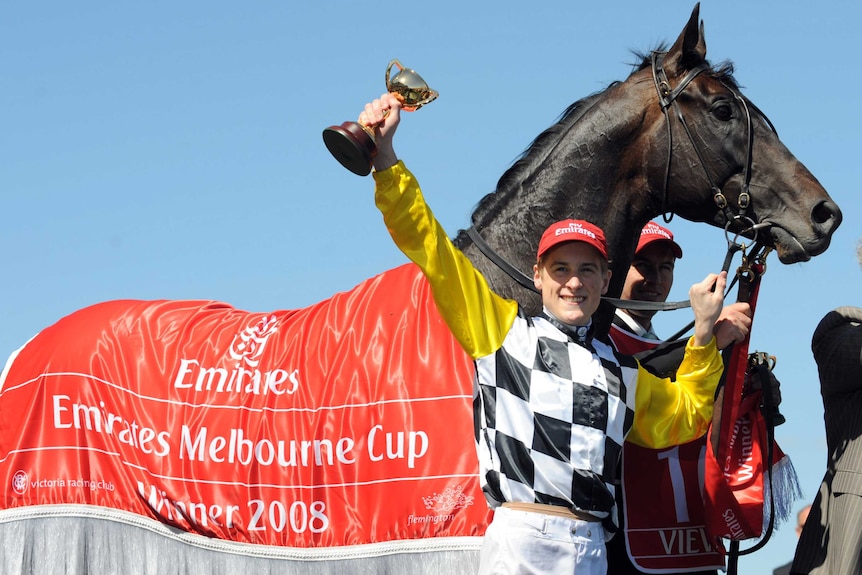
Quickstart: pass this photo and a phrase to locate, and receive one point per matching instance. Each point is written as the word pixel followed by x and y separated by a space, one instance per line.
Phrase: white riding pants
pixel 526 543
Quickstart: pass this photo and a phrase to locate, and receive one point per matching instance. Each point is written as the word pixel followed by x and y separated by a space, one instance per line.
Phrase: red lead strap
pixel 736 360
pixel 733 490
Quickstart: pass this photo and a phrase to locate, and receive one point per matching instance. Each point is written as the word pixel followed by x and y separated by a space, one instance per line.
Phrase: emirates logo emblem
pixel 248 345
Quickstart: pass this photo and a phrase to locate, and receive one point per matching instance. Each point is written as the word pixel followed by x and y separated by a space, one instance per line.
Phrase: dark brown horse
pixel 142 436
pixel 676 136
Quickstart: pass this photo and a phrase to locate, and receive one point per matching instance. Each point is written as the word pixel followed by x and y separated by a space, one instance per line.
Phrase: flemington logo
pixel 443 505
pixel 246 349
pixel 448 501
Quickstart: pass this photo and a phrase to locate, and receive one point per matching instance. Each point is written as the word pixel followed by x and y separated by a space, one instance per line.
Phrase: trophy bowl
pixel 353 144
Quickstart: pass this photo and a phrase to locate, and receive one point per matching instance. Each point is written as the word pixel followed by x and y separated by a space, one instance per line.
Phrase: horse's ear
pixel 689 50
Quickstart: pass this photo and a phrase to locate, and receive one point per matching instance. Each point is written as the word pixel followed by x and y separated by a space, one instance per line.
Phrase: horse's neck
pixel 587 174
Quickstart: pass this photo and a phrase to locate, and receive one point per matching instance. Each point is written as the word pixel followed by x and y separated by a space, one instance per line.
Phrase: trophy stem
pixel 353 145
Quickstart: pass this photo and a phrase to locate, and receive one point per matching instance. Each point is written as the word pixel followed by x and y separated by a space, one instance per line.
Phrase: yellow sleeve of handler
pixel 478 318
pixel 669 412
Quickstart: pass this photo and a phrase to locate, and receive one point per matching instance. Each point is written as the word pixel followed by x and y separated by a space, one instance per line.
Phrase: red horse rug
pixel 345 423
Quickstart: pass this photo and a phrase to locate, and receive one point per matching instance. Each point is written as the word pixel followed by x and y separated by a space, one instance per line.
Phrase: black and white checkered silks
pixel 550 416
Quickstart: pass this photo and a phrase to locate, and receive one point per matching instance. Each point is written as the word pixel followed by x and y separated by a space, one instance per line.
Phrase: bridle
pixel 743 224
pixel 667 97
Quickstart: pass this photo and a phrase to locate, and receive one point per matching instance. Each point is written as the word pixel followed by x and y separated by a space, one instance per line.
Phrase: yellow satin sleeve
pixel 666 412
pixel 477 317
pixel 669 412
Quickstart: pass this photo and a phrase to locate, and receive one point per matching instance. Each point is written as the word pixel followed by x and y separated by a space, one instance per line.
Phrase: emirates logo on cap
pixel 652 232
pixel 575 228
pixel 573 231
pixel 653 229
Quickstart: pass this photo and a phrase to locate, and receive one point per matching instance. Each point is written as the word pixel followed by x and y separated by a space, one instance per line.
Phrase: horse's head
pixel 719 150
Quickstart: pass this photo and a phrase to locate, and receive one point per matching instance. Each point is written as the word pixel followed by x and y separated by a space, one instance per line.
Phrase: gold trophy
pixel 353 143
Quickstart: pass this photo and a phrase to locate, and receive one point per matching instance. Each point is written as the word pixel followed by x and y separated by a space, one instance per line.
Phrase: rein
pixel 527 282
pixel 500 261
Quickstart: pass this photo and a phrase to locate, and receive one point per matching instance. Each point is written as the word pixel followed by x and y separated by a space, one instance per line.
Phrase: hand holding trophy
pixel 353 144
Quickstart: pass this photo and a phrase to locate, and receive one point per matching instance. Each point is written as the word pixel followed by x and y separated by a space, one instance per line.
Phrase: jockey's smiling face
pixel 572 278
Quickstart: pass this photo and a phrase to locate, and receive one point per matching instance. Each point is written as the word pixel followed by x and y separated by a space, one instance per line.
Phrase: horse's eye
pixel 722 111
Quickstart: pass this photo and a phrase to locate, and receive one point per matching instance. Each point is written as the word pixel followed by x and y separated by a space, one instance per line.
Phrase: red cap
pixel 573 231
pixel 653 232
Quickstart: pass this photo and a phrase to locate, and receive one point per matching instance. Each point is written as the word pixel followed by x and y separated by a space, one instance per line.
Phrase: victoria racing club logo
pixel 248 345
pixel 20 481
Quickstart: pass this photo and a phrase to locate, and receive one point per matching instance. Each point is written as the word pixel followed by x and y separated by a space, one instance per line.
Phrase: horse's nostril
pixel 826 212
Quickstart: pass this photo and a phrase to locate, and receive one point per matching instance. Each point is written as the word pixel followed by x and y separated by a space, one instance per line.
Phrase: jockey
pixel 552 404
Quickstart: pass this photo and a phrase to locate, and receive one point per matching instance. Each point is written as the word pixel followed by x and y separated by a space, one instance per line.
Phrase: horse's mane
pixel 723 71
pixel 546 140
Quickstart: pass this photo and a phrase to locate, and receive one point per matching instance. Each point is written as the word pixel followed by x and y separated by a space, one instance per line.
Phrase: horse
pixel 189 436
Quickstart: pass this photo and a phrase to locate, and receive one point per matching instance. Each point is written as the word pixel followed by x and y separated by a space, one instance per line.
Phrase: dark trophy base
pixel 352 146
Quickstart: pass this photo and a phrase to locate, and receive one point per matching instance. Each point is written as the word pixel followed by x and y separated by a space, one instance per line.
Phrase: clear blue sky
pixel 173 150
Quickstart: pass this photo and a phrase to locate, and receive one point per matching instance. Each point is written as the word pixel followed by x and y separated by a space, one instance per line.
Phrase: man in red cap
pixel 650 278
pixel 552 405
pixel 648 542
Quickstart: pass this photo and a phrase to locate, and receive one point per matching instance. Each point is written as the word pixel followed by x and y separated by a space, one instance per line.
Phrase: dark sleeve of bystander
pixel 664 359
